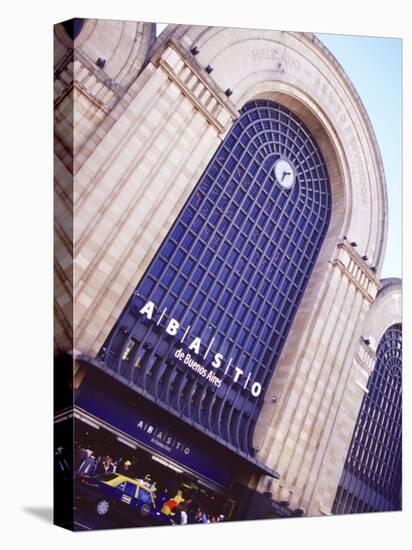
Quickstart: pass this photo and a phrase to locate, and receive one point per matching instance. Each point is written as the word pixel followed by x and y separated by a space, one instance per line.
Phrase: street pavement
pixel 87 519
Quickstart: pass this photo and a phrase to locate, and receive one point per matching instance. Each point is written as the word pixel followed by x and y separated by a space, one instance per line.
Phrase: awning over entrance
pixel 159 429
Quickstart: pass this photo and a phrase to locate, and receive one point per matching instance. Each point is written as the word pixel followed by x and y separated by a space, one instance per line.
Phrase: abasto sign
pixel 190 354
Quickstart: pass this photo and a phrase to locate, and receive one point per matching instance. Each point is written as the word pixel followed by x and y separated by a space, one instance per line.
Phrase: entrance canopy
pixel 155 428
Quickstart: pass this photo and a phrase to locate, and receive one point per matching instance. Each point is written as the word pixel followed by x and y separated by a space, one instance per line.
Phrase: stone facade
pixel 133 138
pixel 385 312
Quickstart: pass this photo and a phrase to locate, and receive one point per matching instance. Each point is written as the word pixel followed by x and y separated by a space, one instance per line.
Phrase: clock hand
pixel 285 174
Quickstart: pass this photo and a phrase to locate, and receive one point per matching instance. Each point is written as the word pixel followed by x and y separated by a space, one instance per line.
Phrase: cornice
pixel 192 80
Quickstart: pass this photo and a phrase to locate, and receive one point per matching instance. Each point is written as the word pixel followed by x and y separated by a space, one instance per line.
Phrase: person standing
pixel 125 468
pixel 190 510
pixel 201 516
pixel 100 469
pixel 88 464
pixel 183 515
pixel 161 498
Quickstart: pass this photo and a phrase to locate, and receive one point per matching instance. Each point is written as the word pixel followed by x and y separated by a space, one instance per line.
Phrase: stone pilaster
pixel 343 427
pixel 312 379
pixel 63 209
pixel 86 98
pixel 132 187
pixel 182 69
pixel 384 312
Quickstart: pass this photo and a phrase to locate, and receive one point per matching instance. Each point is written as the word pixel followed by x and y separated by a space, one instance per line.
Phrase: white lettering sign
pixel 194 346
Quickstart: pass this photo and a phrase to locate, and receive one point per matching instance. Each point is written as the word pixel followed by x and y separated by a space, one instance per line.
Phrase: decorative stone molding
pixel 356 270
pixel 366 357
pixel 74 75
pixel 203 93
pixel 81 89
pixel 324 510
pixel 362 386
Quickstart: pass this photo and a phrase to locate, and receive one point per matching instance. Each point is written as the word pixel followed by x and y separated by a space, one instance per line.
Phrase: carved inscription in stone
pixel 281 58
pixel 327 92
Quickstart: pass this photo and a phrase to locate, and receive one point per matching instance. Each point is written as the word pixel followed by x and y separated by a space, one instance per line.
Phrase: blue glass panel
pixel 232 248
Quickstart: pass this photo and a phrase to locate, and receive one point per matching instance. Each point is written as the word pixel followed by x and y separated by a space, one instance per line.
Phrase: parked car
pixel 116 495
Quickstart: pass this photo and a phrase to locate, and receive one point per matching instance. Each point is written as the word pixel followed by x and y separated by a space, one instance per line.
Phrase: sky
pixel 374 65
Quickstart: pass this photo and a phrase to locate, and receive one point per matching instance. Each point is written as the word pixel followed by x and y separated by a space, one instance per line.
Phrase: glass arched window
pixel 230 273
pixel 372 476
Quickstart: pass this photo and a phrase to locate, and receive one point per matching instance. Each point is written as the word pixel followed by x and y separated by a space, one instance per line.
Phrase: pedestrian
pixel 107 463
pixel 113 466
pixel 162 497
pixel 125 468
pixel 201 516
pixel 80 455
pixel 190 510
pixel 99 466
pixel 183 515
pixel 148 480
pixel 177 515
pixel 178 498
pixel 88 466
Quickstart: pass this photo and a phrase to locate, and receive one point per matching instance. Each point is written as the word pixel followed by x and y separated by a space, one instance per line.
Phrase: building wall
pixel 87 102
pixel 385 312
pixel 136 162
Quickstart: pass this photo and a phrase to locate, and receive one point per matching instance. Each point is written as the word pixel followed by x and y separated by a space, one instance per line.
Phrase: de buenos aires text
pixel 220 365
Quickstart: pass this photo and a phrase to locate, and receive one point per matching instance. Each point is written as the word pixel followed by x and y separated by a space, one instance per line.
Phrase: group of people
pixel 87 463
pixel 180 509
pixel 185 515
pixel 183 511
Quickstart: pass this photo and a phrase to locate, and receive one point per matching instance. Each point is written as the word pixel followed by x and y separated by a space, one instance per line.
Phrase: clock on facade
pixel 284 173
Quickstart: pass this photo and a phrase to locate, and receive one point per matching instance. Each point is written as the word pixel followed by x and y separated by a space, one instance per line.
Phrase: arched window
pixel 231 272
pixel 372 476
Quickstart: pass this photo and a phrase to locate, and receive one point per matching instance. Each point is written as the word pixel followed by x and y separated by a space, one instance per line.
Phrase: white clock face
pixel 284 173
